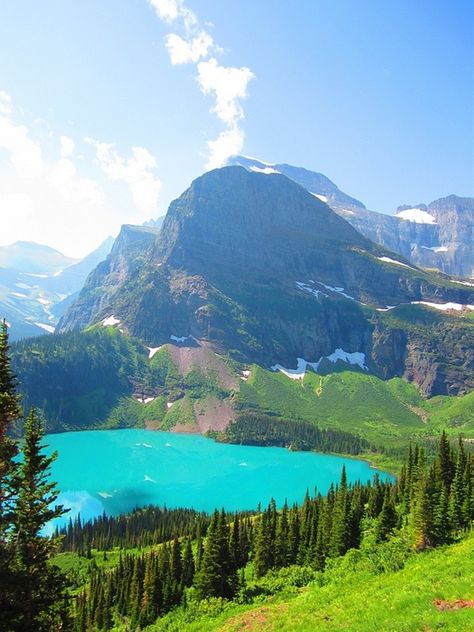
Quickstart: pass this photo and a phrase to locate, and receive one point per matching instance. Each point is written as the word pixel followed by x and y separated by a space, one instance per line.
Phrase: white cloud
pixel 228 85
pixel 24 155
pixel 67 146
pixel 5 103
pixel 167 10
pixel 228 143
pixel 136 171
pixel 52 201
pixel 171 10
pixel 183 51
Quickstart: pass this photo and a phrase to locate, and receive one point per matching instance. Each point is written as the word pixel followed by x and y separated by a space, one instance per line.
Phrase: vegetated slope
pixel 438 235
pixel 263 270
pixel 104 378
pixel 427 594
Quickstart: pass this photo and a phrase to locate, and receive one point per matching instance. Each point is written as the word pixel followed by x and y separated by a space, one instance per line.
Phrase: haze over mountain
pixel 439 235
pixel 37 283
pixel 254 265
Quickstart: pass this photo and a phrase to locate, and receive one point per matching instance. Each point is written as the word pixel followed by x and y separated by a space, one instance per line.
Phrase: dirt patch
pixel 152 424
pixel 202 357
pixel 185 429
pixel 444 605
pixel 254 620
pixel 212 413
pixel 420 412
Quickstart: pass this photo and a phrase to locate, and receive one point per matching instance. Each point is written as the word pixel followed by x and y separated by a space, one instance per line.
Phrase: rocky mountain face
pixel 38 283
pixel 256 266
pixel 439 235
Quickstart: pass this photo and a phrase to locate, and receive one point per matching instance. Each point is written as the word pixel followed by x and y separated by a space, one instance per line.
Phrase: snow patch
pixel 182 339
pixel 105 494
pixel 110 321
pixel 148 479
pixel 24 286
pixel 398 263
pixel 169 404
pixel 416 215
pixel 347 211
pixel 462 282
pixel 37 276
pixel 48 328
pixel 44 301
pixel 304 286
pixel 266 170
pixel 355 358
pixel 19 295
pixel 444 306
pixel 152 351
pixel 436 248
pixel 385 309
pixel 338 290
pixel 321 197
pixel 243 464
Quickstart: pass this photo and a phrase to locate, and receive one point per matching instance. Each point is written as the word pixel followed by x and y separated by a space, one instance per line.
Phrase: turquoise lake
pixel 117 470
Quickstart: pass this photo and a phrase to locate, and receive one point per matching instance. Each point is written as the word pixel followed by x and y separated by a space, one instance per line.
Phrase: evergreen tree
pixel 10 412
pixel 444 463
pixel 217 576
pixel 40 595
pixel 387 519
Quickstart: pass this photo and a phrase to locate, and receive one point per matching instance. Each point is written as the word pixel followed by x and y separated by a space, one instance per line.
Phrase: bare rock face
pixel 260 268
pixel 441 239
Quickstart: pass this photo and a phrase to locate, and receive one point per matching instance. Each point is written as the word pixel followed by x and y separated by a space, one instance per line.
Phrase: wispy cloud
pixel 52 195
pixel 137 172
pixel 227 84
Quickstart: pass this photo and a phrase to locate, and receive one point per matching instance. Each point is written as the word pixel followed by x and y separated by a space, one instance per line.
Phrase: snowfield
pixel 416 215
pixel 355 358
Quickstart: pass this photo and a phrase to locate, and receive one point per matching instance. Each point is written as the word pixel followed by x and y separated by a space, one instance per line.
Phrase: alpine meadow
pixel 236 393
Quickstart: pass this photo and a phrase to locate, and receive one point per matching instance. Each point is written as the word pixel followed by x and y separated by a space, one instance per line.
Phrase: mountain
pixel 37 283
pixel 439 235
pixel 254 266
pixel 33 258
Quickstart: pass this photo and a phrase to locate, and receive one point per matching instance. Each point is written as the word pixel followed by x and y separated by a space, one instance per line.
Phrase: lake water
pixel 117 470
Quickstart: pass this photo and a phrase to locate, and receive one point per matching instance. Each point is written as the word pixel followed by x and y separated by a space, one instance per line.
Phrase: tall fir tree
pixel 10 413
pixel 40 589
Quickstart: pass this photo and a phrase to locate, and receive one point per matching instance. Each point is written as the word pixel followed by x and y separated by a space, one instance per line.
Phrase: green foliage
pixel 251 428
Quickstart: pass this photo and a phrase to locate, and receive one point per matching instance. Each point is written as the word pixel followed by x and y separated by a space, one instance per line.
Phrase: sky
pixel 109 109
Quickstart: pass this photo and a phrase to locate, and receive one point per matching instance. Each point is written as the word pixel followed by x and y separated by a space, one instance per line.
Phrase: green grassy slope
pixel 386 413
pixel 357 599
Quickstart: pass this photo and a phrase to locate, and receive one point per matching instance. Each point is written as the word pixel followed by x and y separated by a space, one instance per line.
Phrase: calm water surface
pixel 117 470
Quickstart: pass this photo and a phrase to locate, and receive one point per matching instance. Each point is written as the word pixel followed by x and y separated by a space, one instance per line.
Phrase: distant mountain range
pixel 250 263
pixel 439 235
pixel 37 284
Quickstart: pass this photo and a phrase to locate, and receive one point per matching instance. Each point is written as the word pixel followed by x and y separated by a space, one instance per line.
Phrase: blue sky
pixel 376 95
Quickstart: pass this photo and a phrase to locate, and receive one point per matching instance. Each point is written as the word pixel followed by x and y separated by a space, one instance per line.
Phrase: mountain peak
pixel 314 182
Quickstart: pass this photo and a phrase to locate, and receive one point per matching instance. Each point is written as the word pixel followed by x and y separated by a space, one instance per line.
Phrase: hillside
pixel 428 593
pixel 436 235
pixel 103 378
pixel 312 285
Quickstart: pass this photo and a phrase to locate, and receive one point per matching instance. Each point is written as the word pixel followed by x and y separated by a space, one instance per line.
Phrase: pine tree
pixel 188 564
pixel 444 463
pixel 387 519
pixel 41 587
pixel 217 576
pixel 10 412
